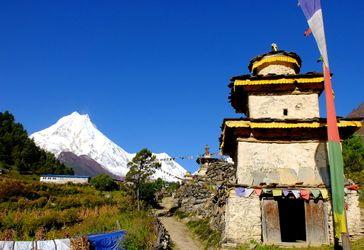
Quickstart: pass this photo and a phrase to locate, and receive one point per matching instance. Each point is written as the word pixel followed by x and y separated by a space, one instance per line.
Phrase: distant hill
pixel 358 113
pixel 83 165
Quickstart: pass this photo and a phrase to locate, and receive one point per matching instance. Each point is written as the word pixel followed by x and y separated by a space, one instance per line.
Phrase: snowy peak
pixel 77 134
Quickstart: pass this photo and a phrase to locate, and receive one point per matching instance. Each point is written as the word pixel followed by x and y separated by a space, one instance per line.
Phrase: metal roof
pixel 65 176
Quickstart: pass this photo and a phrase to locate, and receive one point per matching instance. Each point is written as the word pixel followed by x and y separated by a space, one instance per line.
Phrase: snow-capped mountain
pixel 77 134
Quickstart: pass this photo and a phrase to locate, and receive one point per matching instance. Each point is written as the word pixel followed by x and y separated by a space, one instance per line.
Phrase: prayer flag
pixel 240 191
pixel 313 14
pixel 315 193
pixel 307 32
pixel 296 193
pixel 353 187
pixel 266 191
pixel 277 192
pixel 305 194
pixel 248 192
pixel 324 193
pixel 336 161
pixel 258 191
pixel 286 192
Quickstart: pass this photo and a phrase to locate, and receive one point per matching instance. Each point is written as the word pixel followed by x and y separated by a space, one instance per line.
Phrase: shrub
pixel 12 189
pixel 65 211
pixel 353 155
pixel 141 230
pixel 104 182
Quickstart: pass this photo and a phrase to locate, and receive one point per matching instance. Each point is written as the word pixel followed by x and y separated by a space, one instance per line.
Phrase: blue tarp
pixel 107 241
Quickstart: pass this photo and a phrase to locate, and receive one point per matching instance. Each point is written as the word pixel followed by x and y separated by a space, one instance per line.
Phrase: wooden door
pixel 316 222
pixel 270 222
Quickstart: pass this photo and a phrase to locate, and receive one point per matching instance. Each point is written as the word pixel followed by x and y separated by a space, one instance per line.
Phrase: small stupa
pixel 204 161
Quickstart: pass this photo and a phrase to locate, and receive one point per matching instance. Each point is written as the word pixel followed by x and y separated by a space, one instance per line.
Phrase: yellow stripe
pixel 248 124
pixel 339 224
pixel 278 81
pixel 274 59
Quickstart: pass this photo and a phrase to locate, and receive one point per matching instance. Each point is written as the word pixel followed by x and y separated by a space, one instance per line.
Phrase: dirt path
pixel 180 234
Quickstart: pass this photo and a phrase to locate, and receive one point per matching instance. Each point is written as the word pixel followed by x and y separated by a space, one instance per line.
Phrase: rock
pixel 163 239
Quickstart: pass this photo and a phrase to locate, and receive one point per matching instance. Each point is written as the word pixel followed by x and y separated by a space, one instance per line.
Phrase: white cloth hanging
pixel 6 245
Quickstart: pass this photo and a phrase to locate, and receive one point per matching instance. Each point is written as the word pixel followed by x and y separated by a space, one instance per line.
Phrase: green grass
pixel 181 215
pixel 361 197
pixel 358 245
pixel 209 237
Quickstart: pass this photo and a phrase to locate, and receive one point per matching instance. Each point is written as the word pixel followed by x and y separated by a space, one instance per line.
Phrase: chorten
pixel 204 161
pixel 282 192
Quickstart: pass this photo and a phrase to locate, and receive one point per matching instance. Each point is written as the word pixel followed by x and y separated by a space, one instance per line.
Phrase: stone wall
pixel 283 163
pixel 271 106
pixel 221 172
pixel 353 213
pixel 330 221
pixel 242 219
pixel 193 195
pixel 204 196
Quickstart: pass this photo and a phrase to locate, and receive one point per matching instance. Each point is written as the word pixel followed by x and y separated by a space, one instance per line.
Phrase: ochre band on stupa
pixel 250 124
pixel 281 58
pixel 278 81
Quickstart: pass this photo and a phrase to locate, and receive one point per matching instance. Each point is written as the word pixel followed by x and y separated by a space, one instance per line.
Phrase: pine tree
pixel 142 167
pixel 19 152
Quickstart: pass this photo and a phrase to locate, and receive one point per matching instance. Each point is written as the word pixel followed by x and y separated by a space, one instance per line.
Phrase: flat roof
pixel 258 59
pixel 244 85
pixel 280 130
pixel 287 124
pixel 65 176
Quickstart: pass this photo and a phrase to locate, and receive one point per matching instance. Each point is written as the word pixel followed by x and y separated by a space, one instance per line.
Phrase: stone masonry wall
pixel 272 106
pixel 282 163
pixel 193 196
pixel 221 172
pixel 204 197
pixel 330 221
pixel 353 213
pixel 242 219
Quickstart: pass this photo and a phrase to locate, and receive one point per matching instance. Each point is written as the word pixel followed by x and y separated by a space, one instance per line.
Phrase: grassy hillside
pixel 33 210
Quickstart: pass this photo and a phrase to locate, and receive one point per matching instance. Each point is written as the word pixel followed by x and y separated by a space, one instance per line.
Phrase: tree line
pixel 19 152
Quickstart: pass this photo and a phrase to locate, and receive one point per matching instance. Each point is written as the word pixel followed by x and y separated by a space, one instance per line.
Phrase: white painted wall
pixel 271 106
pixel 242 218
pixel 277 69
pixel 283 163
pixel 353 212
pixel 63 180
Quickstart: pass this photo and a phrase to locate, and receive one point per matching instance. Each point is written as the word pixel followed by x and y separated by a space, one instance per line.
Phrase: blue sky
pixel 155 73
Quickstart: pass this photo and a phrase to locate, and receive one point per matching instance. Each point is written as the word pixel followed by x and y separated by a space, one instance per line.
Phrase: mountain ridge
pixel 75 133
pixel 358 112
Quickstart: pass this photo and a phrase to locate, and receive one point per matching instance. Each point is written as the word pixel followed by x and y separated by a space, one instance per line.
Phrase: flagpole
pixel 336 163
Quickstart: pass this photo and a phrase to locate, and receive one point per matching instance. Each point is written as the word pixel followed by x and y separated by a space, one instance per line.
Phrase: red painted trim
pixel 332 129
